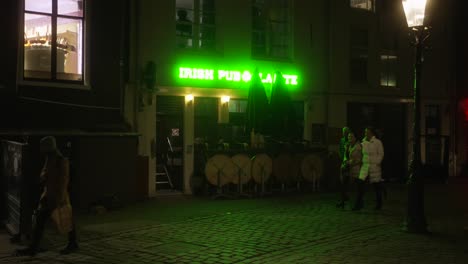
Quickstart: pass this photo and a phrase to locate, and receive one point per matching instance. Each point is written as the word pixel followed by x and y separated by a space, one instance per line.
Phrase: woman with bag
pixel 350 167
pixel 54 201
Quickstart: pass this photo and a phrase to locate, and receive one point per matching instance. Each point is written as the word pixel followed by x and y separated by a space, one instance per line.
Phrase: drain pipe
pixel 329 59
pixel 136 62
pixel 124 47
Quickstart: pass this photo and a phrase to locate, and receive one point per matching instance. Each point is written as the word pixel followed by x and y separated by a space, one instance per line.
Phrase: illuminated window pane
pixel 184 28
pixel 54 20
pixel 69 49
pixel 363 4
pixel 195 24
pixel 237 106
pixel 70 7
pixel 37 48
pixel 43 6
pixel 388 64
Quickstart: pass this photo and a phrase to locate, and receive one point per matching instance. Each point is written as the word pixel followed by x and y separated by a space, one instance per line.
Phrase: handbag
pixel 62 217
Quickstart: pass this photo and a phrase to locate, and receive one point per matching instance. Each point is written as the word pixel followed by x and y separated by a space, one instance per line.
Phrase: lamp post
pixel 416 219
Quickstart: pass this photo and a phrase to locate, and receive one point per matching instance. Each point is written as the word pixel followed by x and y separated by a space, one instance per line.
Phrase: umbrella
pixel 283 121
pixel 257 106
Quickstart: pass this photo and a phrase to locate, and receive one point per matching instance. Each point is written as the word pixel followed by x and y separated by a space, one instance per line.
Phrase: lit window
pixel 53 40
pixel 363 4
pixel 388 68
pixel 195 24
pixel 237 110
pixel 237 106
pixel 271 28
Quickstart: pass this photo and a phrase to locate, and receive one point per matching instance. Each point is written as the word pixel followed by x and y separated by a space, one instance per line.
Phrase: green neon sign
pixel 230 76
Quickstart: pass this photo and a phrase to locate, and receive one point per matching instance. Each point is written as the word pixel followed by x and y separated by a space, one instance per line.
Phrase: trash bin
pixel 18 200
pixel 3 184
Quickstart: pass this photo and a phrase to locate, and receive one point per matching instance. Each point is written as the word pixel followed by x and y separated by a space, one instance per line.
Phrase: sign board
pixel 209 75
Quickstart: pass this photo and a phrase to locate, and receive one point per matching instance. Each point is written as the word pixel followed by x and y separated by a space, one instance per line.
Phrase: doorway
pixel 389 119
pixel 170 139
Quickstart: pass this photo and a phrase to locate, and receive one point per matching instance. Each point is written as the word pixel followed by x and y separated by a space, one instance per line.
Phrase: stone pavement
pixel 305 228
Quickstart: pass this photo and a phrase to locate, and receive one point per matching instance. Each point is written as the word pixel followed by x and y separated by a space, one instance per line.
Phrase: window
pixel 53 40
pixel 363 4
pixel 318 134
pixel 195 24
pixel 388 68
pixel 432 119
pixel 237 106
pixel 359 56
pixel 298 107
pixel 237 110
pixel 271 28
pixel 206 118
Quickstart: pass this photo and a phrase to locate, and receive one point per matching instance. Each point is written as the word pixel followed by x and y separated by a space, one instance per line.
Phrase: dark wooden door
pixel 390 122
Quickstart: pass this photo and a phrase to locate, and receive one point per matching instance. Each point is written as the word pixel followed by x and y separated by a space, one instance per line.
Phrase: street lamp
pixel 416 219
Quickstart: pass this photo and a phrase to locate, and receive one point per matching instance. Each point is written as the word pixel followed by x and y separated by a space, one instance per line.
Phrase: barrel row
pixel 222 169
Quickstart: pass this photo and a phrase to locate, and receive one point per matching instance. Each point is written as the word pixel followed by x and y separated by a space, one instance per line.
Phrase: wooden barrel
pixel 312 167
pixel 220 167
pixel 261 168
pixel 296 174
pixel 282 167
pixel 243 169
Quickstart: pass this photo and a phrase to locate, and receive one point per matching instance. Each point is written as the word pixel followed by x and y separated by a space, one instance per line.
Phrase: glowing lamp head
pixel 414 12
pixel 225 99
pixel 189 97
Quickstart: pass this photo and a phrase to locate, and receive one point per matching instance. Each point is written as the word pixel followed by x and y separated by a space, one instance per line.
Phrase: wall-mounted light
pixel 223 110
pixel 225 99
pixel 189 97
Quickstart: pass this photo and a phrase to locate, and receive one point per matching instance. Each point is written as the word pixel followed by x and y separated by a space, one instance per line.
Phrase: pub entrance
pixel 169 143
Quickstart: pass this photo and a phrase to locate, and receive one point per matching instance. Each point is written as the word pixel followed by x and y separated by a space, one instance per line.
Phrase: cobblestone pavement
pixel 303 228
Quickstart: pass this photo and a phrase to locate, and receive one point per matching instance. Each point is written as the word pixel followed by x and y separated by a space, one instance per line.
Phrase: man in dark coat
pixel 55 177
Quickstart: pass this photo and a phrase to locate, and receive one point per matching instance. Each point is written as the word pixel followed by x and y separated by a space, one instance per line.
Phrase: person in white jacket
pixel 372 156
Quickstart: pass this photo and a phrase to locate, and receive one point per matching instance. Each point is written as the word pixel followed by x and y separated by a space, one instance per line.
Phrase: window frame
pixel 84 83
pixel 372 9
pixel 238 116
pixel 432 115
pixel 385 68
pixel 268 44
pixel 197 26
pixel 356 47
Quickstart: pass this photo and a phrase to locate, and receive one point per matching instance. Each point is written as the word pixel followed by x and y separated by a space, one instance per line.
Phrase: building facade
pixel 171 73
pixel 64 68
pixel 353 61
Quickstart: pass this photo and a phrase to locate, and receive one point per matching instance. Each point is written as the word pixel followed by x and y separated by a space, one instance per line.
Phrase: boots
pixel 72 245
pixel 344 186
pixel 359 204
pixel 70 248
pixel 378 195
